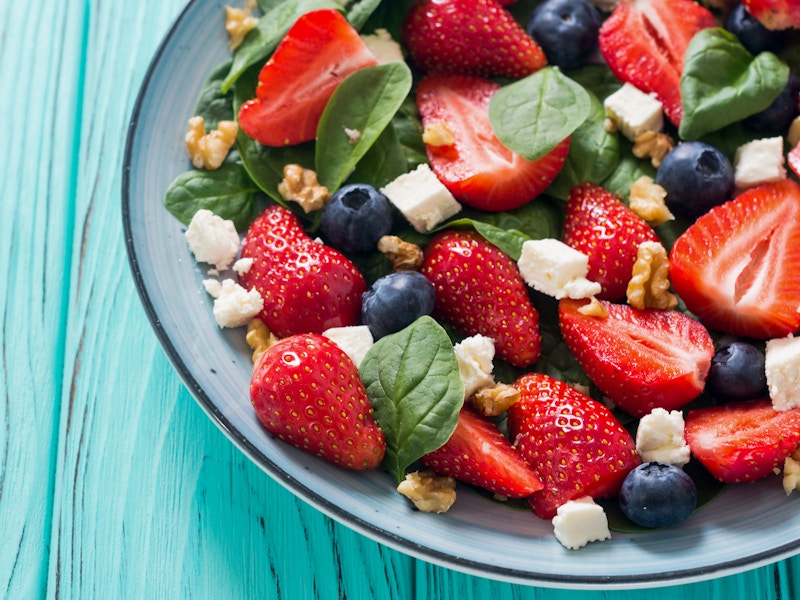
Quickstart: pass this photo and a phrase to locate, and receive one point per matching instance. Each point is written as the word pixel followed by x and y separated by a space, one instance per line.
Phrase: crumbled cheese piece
pixel 422 198
pixel 403 255
pixel 353 135
pixel 301 185
pixel 793 135
pixel 495 400
pixel 653 145
pixel 791 473
pixel 634 112
pixel 429 492
pixel 648 200
pixel 208 150
pixel 475 355
pixel 259 338
pixel 383 47
pixel 649 284
pixel 213 287
pixel 355 340
pixel 438 134
pixel 212 239
pixel 239 22
pixel 243 265
pixel 235 306
pixel 759 161
pixel 659 438
pixel 782 365
pixel 556 269
pixel 579 522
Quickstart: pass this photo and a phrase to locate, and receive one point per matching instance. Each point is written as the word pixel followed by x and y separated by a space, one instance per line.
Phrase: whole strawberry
pixel 307 287
pixel 575 443
pixel 480 290
pixel 307 392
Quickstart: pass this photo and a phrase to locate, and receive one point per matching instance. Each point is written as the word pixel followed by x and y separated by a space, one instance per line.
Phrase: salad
pixel 378 124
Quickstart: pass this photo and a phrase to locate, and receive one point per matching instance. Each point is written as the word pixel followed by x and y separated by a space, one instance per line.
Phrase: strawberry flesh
pixel 775 14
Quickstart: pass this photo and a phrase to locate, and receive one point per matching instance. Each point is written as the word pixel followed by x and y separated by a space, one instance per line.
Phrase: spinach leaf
pixel 359 13
pixel 212 104
pixel 597 79
pixel 356 114
pixel 383 162
pixel 412 380
pixel 556 359
pixel 390 16
pixel 408 127
pixel 539 219
pixel 532 115
pixel 628 170
pixel 508 240
pixel 723 83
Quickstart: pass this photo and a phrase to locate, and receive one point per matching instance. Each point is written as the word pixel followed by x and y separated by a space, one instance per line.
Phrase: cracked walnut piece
pixel 404 256
pixel 301 186
pixel 495 400
pixel 653 145
pixel 649 284
pixel 259 338
pixel 239 22
pixel 208 150
pixel 648 200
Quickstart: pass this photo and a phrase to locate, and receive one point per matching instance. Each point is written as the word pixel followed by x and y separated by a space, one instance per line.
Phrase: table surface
pixel 113 482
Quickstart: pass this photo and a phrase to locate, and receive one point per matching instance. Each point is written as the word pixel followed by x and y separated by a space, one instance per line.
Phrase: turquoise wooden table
pixel 113 482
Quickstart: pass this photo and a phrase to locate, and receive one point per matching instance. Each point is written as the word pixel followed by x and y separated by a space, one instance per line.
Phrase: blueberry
pixel 737 373
pixel 395 301
pixel 777 117
pixel 697 177
pixel 355 217
pixel 657 495
pixel 566 30
pixel 751 33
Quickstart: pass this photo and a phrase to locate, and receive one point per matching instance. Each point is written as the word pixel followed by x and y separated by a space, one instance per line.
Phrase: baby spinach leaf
pixel 723 83
pixel 355 116
pixel 532 115
pixel 508 240
pixel 628 170
pixel 383 162
pixel 597 79
pixel 539 219
pixel 212 104
pixel 412 380
pixel 390 16
pixel 408 127
pixel 359 13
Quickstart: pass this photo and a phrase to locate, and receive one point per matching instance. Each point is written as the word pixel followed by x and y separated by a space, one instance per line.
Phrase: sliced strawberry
pixel 644 41
pixel 318 52
pixel 477 168
pixel 479 289
pixel 477 453
pixel 640 359
pixel 741 442
pixel 738 266
pixel 793 159
pixel 472 37
pixel 609 233
pixel 775 14
pixel 575 443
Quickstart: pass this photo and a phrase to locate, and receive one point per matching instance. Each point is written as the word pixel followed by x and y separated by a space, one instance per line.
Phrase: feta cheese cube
pixel 659 438
pixel 783 372
pixel 383 47
pixel 212 239
pixel 422 198
pixel 475 355
pixel 234 306
pixel 579 522
pixel 355 340
pixel 759 161
pixel 556 269
pixel 634 112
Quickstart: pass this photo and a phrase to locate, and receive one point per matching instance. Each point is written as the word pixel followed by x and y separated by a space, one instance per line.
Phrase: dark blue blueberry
pixel 566 30
pixel 657 495
pixel 777 117
pixel 355 217
pixel 737 373
pixel 395 301
pixel 751 33
pixel 697 177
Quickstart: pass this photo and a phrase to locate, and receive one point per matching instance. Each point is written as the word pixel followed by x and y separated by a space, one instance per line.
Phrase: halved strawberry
pixel 318 52
pixel 575 443
pixel 741 442
pixel 641 359
pixel 775 14
pixel 477 168
pixel 598 224
pixel 479 454
pixel 738 266
pixel 473 37
pixel 644 41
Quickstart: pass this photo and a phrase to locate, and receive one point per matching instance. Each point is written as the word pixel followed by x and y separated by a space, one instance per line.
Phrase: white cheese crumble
pixel 422 198
pixel 758 162
pixel 475 355
pixel 659 438
pixel 579 522
pixel 552 267
pixel 234 306
pixel 383 47
pixel 791 473
pixel 355 340
pixel 212 239
pixel 782 365
pixel 243 265
pixel 634 112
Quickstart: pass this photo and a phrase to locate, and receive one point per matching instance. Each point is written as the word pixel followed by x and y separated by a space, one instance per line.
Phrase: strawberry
pixel 644 41
pixel 477 168
pixel 640 358
pixel 473 37
pixel 775 14
pixel 609 233
pixel 307 392
pixel 793 159
pixel 738 266
pixel 307 286
pixel 479 289
pixel 317 53
pixel 477 453
pixel 575 443
pixel 742 441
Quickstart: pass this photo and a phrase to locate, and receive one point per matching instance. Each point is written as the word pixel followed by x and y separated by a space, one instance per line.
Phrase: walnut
pixel 793 136
pixel 208 150
pixel 438 134
pixel 239 22
pixel 653 145
pixel 429 492
pixel 404 256
pixel 791 473
pixel 647 199
pixel 301 186
pixel 259 338
pixel 649 284
pixel 492 401
pixel 595 308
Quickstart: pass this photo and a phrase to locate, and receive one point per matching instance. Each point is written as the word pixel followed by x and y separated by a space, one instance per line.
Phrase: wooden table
pixel 113 482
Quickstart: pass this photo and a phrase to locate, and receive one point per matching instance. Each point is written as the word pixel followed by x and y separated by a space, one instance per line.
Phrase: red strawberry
pixel 307 286
pixel 474 37
pixel 480 290
pixel 793 159
pixel 308 392
pixel 644 41
pixel 742 441
pixel 479 454
pixel 478 169
pixel 609 233
pixel 641 359
pixel 738 266
pixel 318 52
pixel 575 443
pixel 775 14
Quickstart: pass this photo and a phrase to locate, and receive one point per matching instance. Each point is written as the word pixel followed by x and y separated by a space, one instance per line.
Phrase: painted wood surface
pixel 113 482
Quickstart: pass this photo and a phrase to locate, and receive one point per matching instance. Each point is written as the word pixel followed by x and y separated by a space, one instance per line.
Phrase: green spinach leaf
pixel 628 170
pixel 408 127
pixel 383 162
pixel 359 12
pixel 212 104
